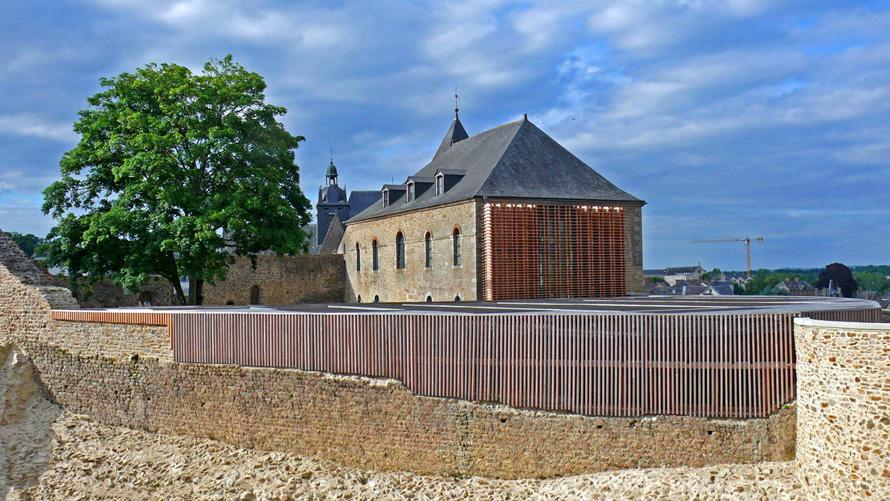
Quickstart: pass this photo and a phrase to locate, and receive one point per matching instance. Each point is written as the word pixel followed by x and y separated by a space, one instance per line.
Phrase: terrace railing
pixel 709 365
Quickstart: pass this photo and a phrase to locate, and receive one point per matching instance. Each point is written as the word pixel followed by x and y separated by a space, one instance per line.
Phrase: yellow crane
pixel 747 241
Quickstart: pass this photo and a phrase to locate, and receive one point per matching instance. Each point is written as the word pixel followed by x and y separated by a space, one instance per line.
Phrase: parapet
pixel 843 377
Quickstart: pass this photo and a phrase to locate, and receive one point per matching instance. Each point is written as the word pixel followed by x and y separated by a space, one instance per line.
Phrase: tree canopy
pixel 174 174
pixel 842 277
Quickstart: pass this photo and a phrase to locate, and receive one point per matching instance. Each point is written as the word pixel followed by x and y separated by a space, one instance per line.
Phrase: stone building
pixel 506 214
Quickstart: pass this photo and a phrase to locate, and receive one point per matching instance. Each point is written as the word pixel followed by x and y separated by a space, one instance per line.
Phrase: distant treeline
pixel 869 278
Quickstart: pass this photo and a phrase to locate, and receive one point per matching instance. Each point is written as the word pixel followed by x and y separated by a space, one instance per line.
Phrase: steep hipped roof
pixel 455 134
pixel 515 160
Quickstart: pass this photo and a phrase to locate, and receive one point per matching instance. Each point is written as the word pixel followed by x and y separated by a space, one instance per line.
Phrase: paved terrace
pixel 631 304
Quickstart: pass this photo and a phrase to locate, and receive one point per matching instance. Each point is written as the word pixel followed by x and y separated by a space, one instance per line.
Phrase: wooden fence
pixel 713 365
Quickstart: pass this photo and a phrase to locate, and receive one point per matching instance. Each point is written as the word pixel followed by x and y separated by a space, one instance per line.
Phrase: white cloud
pixel 305 27
pixel 28 125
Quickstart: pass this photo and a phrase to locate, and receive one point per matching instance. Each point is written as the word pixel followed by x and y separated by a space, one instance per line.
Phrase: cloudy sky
pixel 729 118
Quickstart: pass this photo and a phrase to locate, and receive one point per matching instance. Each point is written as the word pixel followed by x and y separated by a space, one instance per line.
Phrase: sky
pixel 729 118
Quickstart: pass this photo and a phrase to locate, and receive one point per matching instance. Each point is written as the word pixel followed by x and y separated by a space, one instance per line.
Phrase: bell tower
pixel 332 202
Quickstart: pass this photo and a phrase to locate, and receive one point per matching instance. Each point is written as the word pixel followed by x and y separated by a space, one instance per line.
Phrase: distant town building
pixel 674 275
pixel 693 288
pixel 796 287
pixel 505 214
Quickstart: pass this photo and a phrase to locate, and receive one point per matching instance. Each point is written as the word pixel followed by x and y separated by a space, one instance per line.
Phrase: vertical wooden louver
pixel 532 251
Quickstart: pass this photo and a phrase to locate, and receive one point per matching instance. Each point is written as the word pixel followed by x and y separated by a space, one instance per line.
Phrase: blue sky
pixel 729 118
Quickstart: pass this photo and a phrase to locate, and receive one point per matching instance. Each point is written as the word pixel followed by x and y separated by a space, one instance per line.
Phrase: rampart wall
pixel 281 280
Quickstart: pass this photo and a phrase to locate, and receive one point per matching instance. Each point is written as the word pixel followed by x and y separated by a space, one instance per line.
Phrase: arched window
pixel 359 298
pixel 457 299
pixel 255 294
pixel 375 262
pixel 455 242
pixel 428 248
pixel 400 250
pixel 358 257
pixel 376 298
pixel 429 299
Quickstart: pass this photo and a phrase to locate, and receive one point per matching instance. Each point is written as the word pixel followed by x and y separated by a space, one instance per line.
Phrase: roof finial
pixel 456 97
pixel 332 154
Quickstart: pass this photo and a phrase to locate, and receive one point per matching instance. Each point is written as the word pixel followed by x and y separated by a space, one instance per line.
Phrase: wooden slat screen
pixel 710 365
pixel 535 251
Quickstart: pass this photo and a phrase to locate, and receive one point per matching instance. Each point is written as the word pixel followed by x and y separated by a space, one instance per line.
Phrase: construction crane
pixel 747 241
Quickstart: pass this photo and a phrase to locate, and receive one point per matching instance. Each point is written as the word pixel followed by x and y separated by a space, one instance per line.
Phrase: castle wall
pixel 281 280
pixel 378 424
pixel 442 281
pixel 843 442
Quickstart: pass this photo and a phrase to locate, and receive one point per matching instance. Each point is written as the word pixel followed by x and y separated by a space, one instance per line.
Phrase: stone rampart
pixel 843 374
pixel 280 280
pixel 380 425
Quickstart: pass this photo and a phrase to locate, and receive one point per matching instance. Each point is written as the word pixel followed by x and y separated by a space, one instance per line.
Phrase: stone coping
pixel 831 324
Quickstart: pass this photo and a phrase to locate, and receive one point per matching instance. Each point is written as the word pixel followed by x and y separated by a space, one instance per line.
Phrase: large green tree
pixel 174 174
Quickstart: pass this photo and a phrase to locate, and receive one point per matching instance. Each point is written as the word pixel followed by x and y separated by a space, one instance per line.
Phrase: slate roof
pixel 361 200
pixel 333 237
pixel 515 160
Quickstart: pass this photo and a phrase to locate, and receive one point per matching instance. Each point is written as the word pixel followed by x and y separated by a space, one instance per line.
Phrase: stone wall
pixel 116 341
pixel 26 294
pixel 156 291
pixel 442 281
pixel 843 443
pixel 380 425
pixel 633 228
pixel 281 280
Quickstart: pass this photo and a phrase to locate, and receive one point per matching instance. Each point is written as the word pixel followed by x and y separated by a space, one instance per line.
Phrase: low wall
pixel 380 425
pixel 281 280
pixel 843 373
pixel 118 341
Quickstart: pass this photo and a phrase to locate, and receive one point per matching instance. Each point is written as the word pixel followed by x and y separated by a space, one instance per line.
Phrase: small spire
pixel 456 97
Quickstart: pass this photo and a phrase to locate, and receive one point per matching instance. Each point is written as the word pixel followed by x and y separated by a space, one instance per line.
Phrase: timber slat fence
pixel 738 365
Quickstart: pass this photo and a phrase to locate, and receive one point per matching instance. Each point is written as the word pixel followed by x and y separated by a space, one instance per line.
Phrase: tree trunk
pixel 196 286
pixel 177 287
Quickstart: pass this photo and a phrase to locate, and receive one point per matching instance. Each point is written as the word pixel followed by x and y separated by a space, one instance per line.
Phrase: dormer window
pixel 440 184
pixel 410 192
pixel 392 193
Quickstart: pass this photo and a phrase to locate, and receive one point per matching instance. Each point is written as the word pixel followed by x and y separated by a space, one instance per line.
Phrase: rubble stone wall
pixel 281 280
pixel 442 281
pixel 380 425
pixel 26 294
pixel 843 374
